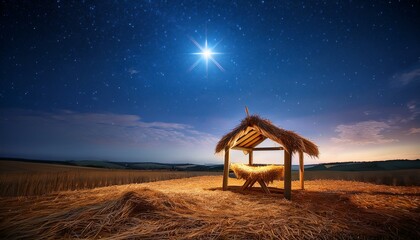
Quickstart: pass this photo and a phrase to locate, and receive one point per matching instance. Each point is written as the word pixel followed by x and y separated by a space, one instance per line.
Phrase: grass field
pixel 26 178
pixel 410 177
pixel 196 208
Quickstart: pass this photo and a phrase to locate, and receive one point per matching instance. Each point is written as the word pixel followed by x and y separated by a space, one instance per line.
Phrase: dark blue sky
pixel 111 80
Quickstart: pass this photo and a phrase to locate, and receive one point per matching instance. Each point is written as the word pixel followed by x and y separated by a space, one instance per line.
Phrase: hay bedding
pixel 195 208
pixel 266 173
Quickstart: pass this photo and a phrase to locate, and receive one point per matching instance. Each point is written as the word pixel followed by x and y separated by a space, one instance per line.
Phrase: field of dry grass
pixel 28 179
pixel 407 177
pixel 196 207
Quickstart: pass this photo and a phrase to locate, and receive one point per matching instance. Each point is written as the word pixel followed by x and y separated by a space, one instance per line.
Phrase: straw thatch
pixel 266 173
pixel 263 128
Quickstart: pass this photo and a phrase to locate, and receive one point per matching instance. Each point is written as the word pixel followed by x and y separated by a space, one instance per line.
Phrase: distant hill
pixel 367 166
pixel 339 166
pixel 126 165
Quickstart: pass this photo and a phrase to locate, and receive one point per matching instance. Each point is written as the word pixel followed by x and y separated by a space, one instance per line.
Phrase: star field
pixel 309 66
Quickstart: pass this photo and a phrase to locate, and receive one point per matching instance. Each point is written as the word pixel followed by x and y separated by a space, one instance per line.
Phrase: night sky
pixel 124 81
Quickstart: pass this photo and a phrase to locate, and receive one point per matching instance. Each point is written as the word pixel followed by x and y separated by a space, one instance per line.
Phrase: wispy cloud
pixel 407 77
pixel 405 115
pixel 129 129
pixel 413 131
pixel 413 109
pixel 68 129
pixel 116 120
pixel 366 132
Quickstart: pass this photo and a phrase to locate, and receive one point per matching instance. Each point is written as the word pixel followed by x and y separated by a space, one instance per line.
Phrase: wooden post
pixel 301 171
pixel 251 157
pixel 287 175
pixel 226 170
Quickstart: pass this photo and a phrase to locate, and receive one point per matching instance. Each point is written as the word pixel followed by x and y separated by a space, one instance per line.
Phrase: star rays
pixel 206 53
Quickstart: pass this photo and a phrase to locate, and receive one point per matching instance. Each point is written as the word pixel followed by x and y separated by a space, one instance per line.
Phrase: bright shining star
pixel 206 54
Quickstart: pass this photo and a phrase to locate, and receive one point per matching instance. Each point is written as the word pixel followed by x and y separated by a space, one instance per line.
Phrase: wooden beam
pixel 248 149
pixel 246 136
pixel 301 171
pixel 268 148
pixel 252 183
pixel 246 184
pixel 249 139
pixel 251 158
pixel 255 140
pixel 242 149
pixel 287 175
pixel 243 134
pixel 263 186
pixel 226 170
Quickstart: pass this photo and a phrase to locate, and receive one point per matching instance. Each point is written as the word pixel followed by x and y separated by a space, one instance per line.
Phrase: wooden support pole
pixel 301 171
pixel 251 158
pixel 287 175
pixel 226 170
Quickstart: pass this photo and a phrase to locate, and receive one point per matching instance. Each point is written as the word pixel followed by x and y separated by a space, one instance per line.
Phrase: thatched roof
pixel 253 130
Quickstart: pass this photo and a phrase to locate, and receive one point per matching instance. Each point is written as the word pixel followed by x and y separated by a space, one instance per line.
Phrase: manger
pixel 261 174
pixel 251 132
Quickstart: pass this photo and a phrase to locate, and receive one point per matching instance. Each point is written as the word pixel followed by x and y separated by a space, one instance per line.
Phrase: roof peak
pixel 263 128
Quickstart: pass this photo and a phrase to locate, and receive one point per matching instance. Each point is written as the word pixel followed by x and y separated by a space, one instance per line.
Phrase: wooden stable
pixel 252 131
